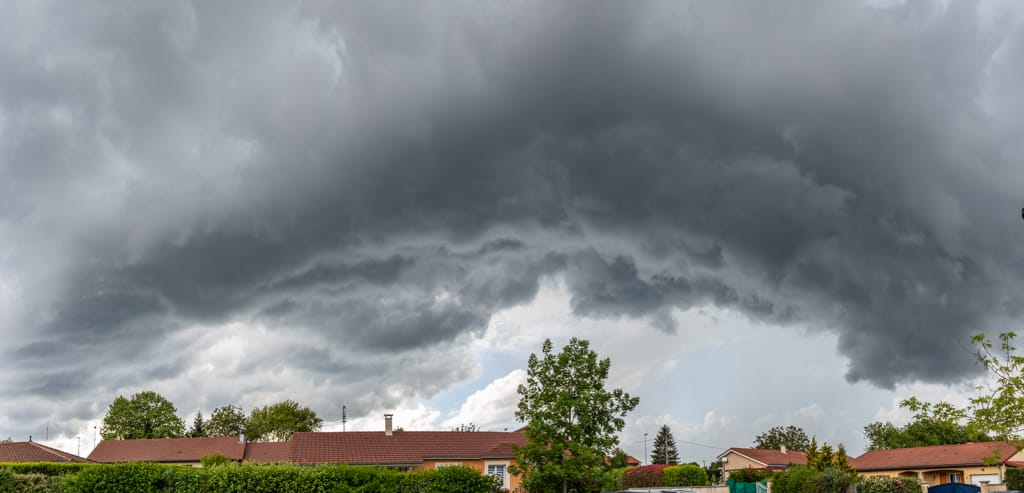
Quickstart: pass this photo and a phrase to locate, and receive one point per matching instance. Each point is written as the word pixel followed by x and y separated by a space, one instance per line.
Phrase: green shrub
pixel 890 485
pixel 795 479
pixel 215 459
pixel 38 483
pixel 454 479
pixel 749 475
pixel 612 479
pixel 831 480
pixel 136 477
pixel 1015 478
pixel 7 480
pixel 685 475
pixel 46 468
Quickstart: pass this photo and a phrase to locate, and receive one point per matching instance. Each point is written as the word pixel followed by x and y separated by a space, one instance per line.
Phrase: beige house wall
pixel 935 476
pixel 478 464
pixel 736 461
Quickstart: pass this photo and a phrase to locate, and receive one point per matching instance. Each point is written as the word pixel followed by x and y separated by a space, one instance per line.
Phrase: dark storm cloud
pixel 382 177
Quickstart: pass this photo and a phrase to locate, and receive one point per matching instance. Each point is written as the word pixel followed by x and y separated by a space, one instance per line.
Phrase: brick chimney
pixel 387 424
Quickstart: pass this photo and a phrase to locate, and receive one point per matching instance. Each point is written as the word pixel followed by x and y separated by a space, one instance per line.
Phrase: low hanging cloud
pixel 367 183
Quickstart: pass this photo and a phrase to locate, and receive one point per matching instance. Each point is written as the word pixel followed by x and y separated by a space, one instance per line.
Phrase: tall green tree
pixel 278 422
pixel 792 437
pixel 572 420
pixel 934 424
pixel 198 428
pixel 998 409
pixel 664 450
pixel 820 459
pixel 226 421
pixel 145 415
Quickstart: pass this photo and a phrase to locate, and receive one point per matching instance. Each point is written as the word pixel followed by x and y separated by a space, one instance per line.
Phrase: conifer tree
pixel 198 428
pixel 665 448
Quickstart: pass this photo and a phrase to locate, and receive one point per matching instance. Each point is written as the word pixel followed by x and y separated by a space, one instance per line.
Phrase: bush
pixel 47 468
pixel 644 476
pixel 612 479
pixel 1015 478
pixel 749 475
pixel 891 485
pixel 796 479
pixel 454 479
pixel 685 475
pixel 831 480
pixel 133 476
pixel 215 459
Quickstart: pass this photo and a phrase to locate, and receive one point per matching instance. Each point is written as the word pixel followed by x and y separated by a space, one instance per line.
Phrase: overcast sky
pixel 765 213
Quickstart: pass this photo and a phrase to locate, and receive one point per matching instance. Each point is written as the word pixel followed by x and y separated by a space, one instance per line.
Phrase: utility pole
pixel 645 449
pixel 79 438
pixel 344 417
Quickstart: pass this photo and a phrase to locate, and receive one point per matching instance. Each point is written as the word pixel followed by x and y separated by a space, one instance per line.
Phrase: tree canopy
pixel 572 420
pixel 144 415
pixel 226 421
pixel 278 422
pixel 198 428
pixel 664 450
pixel 934 424
pixel 792 437
pixel 997 412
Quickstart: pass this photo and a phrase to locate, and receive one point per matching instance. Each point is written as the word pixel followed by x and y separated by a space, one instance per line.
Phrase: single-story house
pixel 759 459
pixel 965 463
pixel 34 452
pixel 490 452
pixel 184 451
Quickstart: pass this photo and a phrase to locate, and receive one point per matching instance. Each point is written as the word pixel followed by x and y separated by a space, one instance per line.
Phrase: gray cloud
pixel 381 178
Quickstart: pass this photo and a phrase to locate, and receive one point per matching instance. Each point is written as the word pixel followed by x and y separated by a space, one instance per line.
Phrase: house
pixel 965 463
pixel 769 460
pixel 34 452
pixel 486 451
pixel 183 451
pixel 632 461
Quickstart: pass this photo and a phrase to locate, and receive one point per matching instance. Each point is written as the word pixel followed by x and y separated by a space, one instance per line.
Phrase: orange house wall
pixel 478 464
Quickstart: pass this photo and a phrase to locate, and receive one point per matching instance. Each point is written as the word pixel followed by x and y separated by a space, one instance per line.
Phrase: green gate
pixel 759 487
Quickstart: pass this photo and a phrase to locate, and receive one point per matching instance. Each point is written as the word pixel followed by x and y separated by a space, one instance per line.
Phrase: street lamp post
pixel 645 448
pixel 79 437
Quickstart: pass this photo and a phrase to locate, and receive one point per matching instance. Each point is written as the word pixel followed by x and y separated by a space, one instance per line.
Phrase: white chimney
pixel 387 424
pixel 782 449
pixel 241 438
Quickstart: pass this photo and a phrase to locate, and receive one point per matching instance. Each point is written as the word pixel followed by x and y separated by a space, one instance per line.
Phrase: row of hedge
pixel 157 478
pixel 656 475
pixel 799 479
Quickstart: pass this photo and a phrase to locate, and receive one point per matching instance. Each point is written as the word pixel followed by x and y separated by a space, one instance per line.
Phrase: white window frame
pixel 504 476
pixel 438 465
pixel 959 477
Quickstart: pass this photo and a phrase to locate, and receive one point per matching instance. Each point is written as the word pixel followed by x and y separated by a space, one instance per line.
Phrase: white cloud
pixel 493 405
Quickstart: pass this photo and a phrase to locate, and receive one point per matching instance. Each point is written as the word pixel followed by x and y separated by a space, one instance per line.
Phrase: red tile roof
pixel 403 447
pixel 632 461
pixel 35 452
pixel 967 454
pixel 167 449
pixel 267 452
pixel 772 457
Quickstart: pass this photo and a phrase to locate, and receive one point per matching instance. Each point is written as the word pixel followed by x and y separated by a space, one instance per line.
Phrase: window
pixel 446 464
pixel 955 477
pixel 498 470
